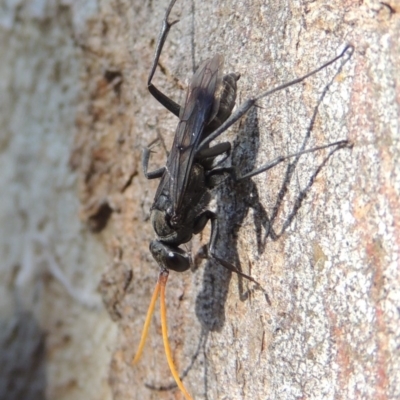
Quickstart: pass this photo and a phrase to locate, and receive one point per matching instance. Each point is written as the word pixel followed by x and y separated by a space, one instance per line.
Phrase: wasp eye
pixel 170 257
pixel 177 262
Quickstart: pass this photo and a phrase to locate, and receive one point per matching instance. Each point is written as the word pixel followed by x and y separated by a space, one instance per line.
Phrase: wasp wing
pixel 200 108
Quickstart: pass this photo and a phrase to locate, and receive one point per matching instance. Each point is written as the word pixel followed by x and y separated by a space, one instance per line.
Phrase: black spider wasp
pixel 180 205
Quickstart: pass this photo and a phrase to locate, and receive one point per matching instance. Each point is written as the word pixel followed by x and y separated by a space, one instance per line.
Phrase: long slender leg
pixel 212 152
pixel 211 247
pixel 245 107
pixel 169 104
pixel 266 167
pixel 207 156
pixel 145 165
pixel 232 171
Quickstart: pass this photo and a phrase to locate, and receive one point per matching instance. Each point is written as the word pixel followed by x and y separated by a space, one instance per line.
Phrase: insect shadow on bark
pixel 234 203
pixel 180 208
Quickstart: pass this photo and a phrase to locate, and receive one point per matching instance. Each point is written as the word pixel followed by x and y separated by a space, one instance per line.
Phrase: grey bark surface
pixel 320 235
pixel 55 335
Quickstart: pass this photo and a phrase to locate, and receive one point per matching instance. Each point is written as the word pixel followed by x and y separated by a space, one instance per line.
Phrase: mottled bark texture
pixel 320 234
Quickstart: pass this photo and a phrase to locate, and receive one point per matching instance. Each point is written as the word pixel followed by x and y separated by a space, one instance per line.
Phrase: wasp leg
pixel 232 171
pixel 200 223
pixel 207 156
pixel 145 165
pixel 168 103
pixel 245 107
pixel 278 160
pixel 214 151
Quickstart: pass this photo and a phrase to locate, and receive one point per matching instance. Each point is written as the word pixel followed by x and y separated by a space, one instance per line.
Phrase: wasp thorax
pixel 160 223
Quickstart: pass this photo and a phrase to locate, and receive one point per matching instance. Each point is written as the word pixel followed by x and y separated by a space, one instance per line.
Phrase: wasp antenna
pixel 163 281
pixel 149 315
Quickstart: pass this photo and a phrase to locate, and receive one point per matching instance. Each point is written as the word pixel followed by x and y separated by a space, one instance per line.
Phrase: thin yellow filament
pixel 150 312
pixel 162 280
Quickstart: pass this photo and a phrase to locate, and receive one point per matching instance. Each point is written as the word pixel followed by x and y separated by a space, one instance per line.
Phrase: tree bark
pixel 56 337
pixel 319 233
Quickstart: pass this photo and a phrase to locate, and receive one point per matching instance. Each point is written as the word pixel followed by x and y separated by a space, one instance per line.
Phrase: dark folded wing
pixel 200 107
